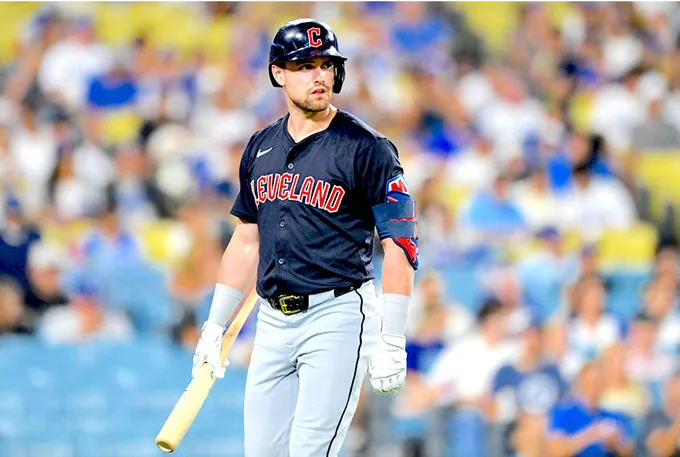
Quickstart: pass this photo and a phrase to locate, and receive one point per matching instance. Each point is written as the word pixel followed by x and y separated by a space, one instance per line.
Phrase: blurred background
pixel 540 140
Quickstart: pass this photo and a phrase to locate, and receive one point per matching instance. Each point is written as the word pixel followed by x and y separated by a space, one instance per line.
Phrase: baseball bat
pixel 187 407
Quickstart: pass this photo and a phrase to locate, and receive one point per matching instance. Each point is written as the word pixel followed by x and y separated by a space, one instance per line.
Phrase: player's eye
pixel 327 65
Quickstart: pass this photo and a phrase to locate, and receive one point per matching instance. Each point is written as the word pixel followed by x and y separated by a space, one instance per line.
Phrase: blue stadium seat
pixel 141 290
pixel 624 299
pixel 214 443
pixel 462 283
pixel 51 442
pixel 405 428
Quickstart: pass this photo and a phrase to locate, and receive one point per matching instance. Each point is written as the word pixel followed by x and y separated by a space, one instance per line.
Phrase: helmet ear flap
pixel 339 77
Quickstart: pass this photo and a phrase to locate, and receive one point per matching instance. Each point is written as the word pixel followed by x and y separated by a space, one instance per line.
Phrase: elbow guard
pixel 396 219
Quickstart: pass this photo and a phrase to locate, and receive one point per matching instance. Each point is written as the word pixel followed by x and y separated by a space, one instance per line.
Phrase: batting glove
pixel 209 348
pixel 387 368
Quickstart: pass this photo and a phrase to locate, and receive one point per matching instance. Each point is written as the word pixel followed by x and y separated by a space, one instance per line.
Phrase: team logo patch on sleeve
pixel 397 184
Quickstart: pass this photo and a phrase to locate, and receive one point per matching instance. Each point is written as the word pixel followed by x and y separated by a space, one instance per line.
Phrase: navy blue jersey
pixel 312 202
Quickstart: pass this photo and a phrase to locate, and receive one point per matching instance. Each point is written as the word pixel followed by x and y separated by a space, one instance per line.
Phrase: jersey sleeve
pixel 556 421
pixel 378 165
pixel 244 206
pixel 502 379
pixel 386 191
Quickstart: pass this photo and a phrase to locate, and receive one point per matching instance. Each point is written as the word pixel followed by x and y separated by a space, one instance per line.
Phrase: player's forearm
pixel 397 272
pixel 238 267
pixel 238 270
pixel 397 286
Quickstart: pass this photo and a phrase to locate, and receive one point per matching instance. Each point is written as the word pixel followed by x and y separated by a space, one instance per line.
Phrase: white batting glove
pixel 387 367
pixel 208 349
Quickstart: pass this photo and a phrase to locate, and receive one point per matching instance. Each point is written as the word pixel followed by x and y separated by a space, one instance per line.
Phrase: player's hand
pixel 208 350
pixel 387 367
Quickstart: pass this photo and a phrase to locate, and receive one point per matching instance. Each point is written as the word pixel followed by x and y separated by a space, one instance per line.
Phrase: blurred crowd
pixel 118 167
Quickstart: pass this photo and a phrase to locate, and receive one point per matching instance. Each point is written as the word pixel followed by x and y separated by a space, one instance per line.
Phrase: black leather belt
pixel 293 304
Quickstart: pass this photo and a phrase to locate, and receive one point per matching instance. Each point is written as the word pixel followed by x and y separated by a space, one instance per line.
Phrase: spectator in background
pixel 82 319
pixel 186 333
pixel 109 244
pixel 69 64
pixel 512 116
pixel 16 237
pixel 536 201
pixel 490 214
pixel 556 350
pixel 139 200
pixel 578 427
pixel 654 133
pixel 35 157
pixel 662 426
pixel 545 273
pixel 475 167
pixel 659 302
pixel 433 317
pixel 417 30
pixel 482 353
pixel 434 326
pixel 12 312
pixel 647 364
pixel 114 89
pixel 524 392
pixel 503 283
pixel 193 281
pixel 616 110
pixel 44 268
pixel 666 262
pixel 591 330
pixel 92 168
pixel 620 393
pixel 594 204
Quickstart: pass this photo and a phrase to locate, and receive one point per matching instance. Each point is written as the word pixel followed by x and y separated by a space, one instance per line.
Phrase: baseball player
pixel 314 186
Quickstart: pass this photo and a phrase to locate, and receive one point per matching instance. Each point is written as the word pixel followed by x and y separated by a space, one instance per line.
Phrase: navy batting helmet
pixel 305 38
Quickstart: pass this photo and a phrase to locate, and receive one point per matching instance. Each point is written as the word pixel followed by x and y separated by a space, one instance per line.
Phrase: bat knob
pixel 164 446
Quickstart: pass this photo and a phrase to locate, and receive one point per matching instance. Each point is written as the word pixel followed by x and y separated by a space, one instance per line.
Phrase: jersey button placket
pixel 291 166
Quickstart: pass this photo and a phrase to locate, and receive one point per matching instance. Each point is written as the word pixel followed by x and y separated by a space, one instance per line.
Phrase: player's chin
pixel 317 103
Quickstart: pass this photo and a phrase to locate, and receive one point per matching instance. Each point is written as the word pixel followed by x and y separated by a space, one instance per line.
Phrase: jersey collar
pixel 289 139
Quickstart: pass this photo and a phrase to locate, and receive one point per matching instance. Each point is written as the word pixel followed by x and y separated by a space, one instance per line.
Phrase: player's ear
pixel 278 75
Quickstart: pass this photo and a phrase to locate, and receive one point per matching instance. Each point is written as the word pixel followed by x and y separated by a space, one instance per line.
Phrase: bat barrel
pixel 183 414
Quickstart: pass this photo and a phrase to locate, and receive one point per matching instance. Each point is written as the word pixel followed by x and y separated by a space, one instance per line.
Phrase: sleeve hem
pixel 244 216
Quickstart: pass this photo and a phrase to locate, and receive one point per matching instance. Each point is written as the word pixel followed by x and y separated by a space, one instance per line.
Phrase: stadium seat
pixel 141 290
pixel 625 286
pixel 633 247
pixel 463 285
pixel 114 23
pixel 13 17
pixel 494 25
pixel 165 242
pixel 659 172
pixel 53 442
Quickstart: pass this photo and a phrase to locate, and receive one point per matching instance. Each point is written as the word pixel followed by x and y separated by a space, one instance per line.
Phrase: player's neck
pixel 302 124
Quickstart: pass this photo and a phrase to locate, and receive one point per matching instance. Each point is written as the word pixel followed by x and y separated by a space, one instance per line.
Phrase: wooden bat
pixel 183 414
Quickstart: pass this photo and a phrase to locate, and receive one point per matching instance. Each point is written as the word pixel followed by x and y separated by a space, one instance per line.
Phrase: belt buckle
pixel 285 309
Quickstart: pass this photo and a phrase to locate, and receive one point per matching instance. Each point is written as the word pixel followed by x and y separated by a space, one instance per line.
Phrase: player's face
pixel 309 83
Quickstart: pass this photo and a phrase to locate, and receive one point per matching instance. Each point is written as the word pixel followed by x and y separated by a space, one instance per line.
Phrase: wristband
pixel 224 302
pixel 395 314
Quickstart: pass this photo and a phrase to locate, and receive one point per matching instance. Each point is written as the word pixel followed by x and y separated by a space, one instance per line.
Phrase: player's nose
pixel 320 74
